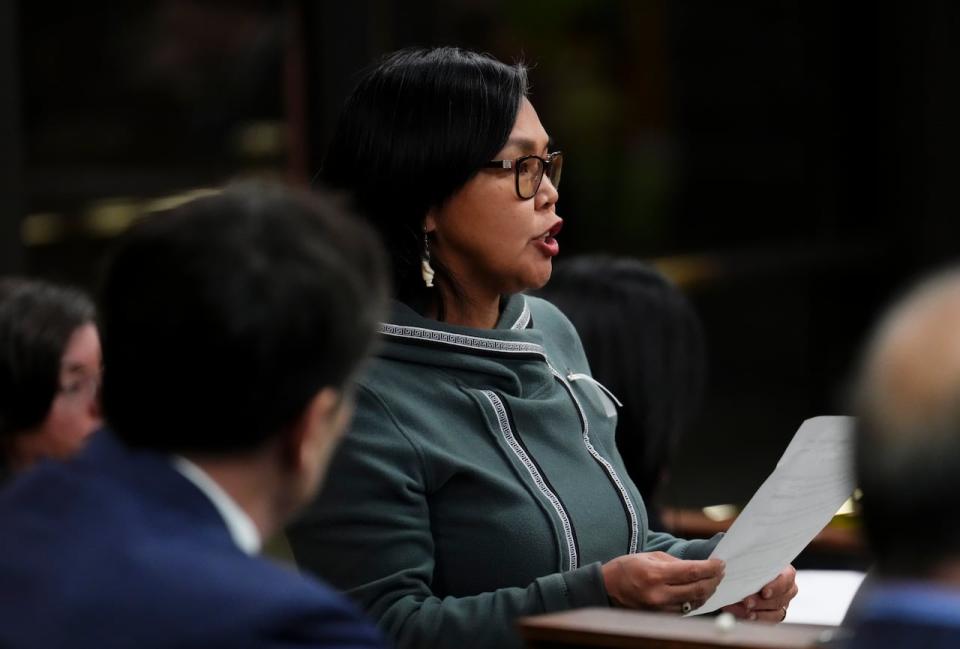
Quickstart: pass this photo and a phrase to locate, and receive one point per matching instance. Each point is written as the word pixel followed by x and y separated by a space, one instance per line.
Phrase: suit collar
pixel 178 502
pixel 241 527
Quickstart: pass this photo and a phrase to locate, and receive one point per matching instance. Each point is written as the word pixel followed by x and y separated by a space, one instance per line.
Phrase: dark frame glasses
pixel 529 170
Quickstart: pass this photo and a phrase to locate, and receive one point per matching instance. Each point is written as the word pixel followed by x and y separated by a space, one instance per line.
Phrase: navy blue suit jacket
pixel 907 616
pixel 117 549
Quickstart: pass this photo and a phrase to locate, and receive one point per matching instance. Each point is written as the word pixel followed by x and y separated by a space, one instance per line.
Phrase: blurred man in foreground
pixel 232 326
pixel 908 465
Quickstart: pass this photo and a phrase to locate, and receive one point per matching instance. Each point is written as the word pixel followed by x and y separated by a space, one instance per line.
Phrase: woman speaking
pixel 480 480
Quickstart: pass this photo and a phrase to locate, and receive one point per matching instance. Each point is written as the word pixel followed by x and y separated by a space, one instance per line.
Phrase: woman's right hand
pixel 658 581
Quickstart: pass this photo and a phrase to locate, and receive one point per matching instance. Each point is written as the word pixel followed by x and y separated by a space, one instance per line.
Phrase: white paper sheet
pixel 824 596
pixel 811 481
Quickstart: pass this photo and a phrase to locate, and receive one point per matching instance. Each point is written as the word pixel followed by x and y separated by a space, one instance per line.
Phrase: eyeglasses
pixel 82 387
pixel 529 171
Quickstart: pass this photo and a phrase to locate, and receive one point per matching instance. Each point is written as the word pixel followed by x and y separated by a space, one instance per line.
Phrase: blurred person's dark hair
pixel 645 343
pixel 37 320
pixel 294 282
pixel 417 127
pixel 908 432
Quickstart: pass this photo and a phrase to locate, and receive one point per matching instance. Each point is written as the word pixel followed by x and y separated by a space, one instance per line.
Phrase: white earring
pixel 426 270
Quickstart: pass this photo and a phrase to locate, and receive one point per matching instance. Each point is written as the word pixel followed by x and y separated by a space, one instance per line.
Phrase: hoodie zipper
pixel 625 499
pixel 505 422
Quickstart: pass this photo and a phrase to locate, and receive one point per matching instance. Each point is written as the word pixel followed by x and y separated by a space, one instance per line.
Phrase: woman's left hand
pixel 770 604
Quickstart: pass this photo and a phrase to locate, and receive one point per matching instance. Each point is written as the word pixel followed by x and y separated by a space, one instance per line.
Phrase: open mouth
pixel 547 241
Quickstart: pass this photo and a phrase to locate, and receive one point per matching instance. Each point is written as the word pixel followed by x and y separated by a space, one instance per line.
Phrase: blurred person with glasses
pixel 480 480
pixel 50 369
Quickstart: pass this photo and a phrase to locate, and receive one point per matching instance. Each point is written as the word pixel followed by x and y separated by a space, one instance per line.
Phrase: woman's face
pixel 491 240
pixel 75 411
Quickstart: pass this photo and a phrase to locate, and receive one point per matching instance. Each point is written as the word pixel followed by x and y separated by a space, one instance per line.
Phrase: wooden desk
pixel 618 628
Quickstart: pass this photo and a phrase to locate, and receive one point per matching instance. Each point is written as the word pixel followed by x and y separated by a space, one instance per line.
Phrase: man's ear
pixel 319 425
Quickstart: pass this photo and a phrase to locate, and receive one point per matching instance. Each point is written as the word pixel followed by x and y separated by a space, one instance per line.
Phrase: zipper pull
pixel 603 393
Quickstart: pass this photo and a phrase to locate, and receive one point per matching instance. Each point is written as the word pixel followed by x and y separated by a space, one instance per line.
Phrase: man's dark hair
pixel 417 127
pixel 222 318
pixel 36 321
pixel 911 492
pixel 645 343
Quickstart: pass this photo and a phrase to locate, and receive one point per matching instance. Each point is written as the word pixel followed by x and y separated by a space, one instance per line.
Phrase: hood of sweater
pixel 530 333
pixel 524 373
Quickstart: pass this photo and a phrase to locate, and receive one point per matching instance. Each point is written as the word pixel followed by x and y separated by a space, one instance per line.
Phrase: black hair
pixel 417 127
pixel 910 478
pixel 37 320
pixel 645 343
pixel 222 318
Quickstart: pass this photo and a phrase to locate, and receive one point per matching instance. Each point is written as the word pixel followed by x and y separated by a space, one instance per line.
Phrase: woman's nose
pixel 547 194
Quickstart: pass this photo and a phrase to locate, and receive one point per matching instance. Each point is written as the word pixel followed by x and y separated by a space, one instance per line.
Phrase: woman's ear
pixel 430 220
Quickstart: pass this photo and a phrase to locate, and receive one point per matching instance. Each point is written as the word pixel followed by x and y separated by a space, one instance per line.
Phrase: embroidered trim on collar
pixel 503 421
pixel 461 340
pixel 524 318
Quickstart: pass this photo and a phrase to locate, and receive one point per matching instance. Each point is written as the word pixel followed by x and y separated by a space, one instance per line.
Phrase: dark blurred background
pixel 790 164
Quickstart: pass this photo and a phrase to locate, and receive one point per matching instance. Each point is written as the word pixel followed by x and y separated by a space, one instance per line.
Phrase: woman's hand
pixel 770 604
pixel 656 580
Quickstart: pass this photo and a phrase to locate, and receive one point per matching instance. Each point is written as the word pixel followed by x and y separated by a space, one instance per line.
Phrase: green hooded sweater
pixel 479 482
